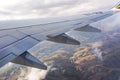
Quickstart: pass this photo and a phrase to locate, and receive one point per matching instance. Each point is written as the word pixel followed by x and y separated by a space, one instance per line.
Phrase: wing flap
pixel 15 49
pixel 16 53
pixel 6 40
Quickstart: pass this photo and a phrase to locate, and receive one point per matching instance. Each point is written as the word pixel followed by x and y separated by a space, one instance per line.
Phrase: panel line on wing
pixel 13 42
pixel 4 56
pixel 3 35
pixel 7 59
pixel 33 25
pixel 28 35
pixel 29 26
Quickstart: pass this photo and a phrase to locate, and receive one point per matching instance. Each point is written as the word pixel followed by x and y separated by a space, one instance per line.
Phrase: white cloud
pixel 19 9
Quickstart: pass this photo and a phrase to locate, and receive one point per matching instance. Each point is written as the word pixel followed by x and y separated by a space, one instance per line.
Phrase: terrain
pixel 98 60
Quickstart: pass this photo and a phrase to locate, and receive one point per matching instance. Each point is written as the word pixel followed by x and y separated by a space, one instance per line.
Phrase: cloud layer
pixel 19 9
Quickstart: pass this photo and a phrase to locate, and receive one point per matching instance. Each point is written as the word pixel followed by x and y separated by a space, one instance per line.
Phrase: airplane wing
pixel 16 41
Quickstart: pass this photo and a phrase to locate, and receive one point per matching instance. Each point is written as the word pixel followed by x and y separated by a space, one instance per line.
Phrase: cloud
pixel 19 9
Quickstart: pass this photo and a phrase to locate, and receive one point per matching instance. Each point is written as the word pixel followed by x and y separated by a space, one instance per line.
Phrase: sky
pixel 26 9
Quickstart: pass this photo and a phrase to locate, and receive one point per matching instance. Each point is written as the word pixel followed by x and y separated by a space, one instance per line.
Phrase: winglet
pixel 117 7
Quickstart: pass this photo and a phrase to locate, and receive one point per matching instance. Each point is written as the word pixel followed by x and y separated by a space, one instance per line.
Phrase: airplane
pixel 18 36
